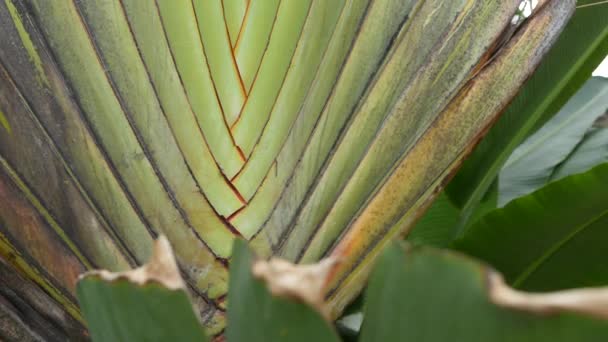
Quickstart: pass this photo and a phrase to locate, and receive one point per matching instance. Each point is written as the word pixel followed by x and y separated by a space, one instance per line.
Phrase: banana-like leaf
pixel 440 224
pixel 581 47
pixel 310 128
pixel 592 151
pixel 533 163
pixel 410 291
pixel 145 304
pixel 257 315
pixel 554 238
pixel 427 295
pixel 563 146
pixel 436 226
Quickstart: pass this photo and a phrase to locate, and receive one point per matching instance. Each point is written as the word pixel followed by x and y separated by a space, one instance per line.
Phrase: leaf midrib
pixel 557 129
pixel 534 266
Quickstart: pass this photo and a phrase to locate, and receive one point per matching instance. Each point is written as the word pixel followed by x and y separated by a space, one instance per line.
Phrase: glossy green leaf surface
pixel 441 223
pixel 581 47
pixel 592 151
pixel 533 163
pixel 256 315
pixel 122 311
pixel 436 226
pixel 554 238
pixel 145 304
pixel 427 295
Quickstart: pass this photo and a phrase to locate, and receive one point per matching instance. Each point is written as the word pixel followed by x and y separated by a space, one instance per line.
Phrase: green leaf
pixel 592 151
pixel 436 226
pixel 123 311
pixel 554 238
pixel 580 48
pixel 439 225
pixel 532 164
pixel 256 315
pixel 139 305
pixel 427 295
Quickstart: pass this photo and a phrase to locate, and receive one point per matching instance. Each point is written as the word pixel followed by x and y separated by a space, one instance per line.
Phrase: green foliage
pixel 436 226
pixel 535 161
pixel 580 48
pixel 427 295
pixel 552 239
pixel 440 224
pixel 591 151
pixel 415 294
pixel 122 311
pixel 256 315
pixel 573 141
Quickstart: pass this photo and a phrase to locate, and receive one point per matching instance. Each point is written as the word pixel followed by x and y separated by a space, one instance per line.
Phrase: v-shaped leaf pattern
pixel 234 14
pixel 308 127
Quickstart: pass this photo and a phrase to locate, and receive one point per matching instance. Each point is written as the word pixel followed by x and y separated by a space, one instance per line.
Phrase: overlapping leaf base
pixel 308 127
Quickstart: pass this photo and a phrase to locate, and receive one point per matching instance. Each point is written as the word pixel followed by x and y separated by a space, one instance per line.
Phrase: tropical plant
pixel 314 130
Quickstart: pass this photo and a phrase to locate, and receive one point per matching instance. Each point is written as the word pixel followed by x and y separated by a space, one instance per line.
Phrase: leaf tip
pixel 300 282
pixel 162 268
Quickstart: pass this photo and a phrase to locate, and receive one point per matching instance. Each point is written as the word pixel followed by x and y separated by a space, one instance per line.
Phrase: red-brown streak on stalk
pixel 219 337
pixel 235 214
pixel 237 193
pixel 459 97
pixel 188 99
pixel 164 185
pixel 261 60
pixel 221 299
pixel 233 229
pixel 217 98
pixel 238 118
pixel 236 176
pixel 297 115
pixel 233 58
pixel 245 18
pixel 276 98
pixel 227 224
pixel 35 231
pixel 239 150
